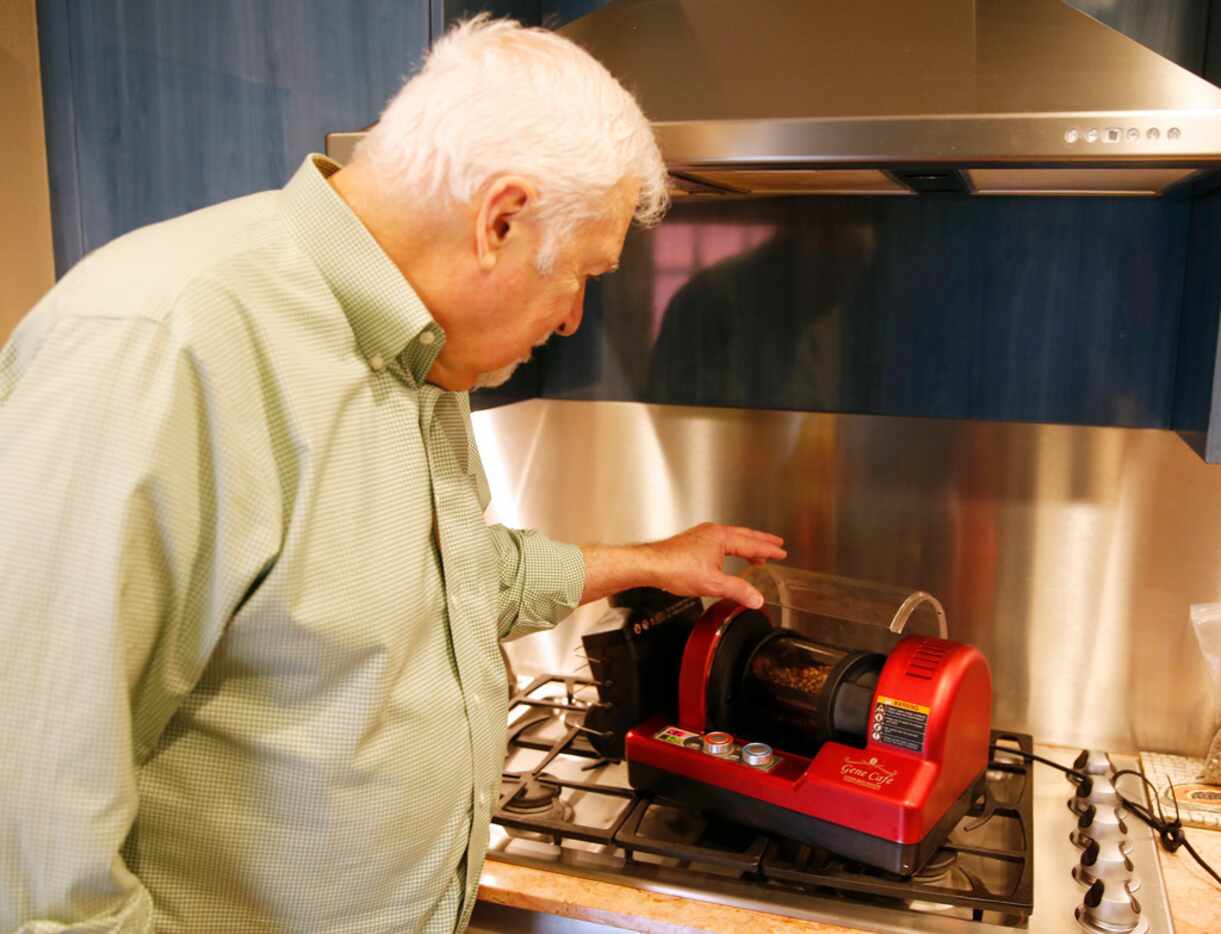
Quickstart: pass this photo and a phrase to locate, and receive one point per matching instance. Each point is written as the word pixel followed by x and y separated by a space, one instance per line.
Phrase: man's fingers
pixel 745 546
pixel 740 591
pixel 755 533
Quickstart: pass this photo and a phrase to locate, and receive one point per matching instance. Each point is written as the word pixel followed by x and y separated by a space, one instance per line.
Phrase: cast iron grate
pixel 986 867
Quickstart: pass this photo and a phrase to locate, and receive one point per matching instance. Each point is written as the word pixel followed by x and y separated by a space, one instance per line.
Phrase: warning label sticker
pixel 899 723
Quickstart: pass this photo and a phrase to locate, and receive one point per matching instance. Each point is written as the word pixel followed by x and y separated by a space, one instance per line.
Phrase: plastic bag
pixel 1206 621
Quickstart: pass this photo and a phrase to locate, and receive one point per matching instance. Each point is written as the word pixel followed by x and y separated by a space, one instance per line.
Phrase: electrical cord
pixel 1170 833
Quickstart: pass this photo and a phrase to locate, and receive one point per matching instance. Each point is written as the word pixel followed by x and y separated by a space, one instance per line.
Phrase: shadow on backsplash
pixel 1056 310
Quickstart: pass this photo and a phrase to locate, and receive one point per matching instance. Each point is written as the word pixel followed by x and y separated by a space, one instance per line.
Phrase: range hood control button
pixel 757 754
pixel 718 744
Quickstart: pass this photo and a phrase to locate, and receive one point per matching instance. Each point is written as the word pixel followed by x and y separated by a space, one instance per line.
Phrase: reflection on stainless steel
pixel 1069 555
pixel 794 85
pixel 979 309
pixel 802 182
pixel 1113 182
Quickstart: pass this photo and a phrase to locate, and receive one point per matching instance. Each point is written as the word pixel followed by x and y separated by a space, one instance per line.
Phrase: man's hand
pixel 690 564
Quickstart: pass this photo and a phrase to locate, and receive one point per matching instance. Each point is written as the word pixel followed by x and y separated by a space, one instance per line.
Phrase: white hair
pixel 494 98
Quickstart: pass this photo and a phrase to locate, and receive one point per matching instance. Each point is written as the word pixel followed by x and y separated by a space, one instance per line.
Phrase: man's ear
pixel 501 209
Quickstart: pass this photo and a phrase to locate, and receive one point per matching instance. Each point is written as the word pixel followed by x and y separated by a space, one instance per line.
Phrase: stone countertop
pixel 629 908
pixel 1195 898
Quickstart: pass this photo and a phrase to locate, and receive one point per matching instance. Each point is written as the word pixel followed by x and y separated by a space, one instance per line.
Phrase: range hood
pixel 888 97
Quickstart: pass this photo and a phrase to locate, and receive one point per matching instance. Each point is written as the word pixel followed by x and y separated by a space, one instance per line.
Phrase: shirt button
pixel 376 364
pixel 427 338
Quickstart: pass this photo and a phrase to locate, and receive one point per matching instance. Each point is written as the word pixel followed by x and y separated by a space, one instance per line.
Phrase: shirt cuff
pixel 554 575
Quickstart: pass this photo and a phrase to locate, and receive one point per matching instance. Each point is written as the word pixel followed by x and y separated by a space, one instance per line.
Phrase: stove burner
pixel 535 798
pixel 984 872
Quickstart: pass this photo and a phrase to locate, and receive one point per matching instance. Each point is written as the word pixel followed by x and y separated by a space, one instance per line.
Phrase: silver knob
pixel 718 743
pixel 1111 909
pixel 1104 825
pixel 1093 762
pixel 1099 791
pixel 757 754
pixel 1106 862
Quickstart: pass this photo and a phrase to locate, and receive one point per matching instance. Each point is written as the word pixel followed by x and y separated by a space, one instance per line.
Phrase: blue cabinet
pixel 158 107
pixel 1197 404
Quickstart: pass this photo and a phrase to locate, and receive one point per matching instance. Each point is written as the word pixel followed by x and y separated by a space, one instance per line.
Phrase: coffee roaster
pixel 872 755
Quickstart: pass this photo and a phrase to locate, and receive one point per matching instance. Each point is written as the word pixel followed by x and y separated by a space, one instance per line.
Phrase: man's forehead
pixel 604 254
pixel 604 246
pixel 600 241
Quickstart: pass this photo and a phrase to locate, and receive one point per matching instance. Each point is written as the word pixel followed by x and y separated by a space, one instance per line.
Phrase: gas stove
pixel 1024 857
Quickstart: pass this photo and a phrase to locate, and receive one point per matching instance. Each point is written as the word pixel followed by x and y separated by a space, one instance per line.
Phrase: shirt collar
pixel 388 318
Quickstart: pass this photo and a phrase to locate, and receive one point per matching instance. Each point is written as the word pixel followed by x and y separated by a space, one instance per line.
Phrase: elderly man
pixel 250 677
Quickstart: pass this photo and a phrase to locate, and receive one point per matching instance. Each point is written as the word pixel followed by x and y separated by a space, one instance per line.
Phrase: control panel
pixel 1117 134
pixel 721 745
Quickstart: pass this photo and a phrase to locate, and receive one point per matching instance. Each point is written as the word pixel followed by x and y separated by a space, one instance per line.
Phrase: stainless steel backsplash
pixel 1069 555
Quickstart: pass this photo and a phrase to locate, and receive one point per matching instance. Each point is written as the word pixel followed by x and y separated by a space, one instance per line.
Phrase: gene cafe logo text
pixel 868 773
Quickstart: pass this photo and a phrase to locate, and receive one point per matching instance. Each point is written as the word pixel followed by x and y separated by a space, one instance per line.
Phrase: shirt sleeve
pixel 128 536
pixel 541 581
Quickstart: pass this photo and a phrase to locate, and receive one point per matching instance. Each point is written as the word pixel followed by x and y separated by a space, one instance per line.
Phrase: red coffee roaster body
pixel 871 755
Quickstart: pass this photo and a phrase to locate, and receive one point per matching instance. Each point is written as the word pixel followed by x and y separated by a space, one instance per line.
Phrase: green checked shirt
pixel 249 606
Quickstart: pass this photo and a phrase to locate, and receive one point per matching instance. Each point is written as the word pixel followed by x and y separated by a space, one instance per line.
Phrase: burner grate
pixel 556 828
pixel 571 685
pixel 964 885
pixel 985 869
pixel 634 840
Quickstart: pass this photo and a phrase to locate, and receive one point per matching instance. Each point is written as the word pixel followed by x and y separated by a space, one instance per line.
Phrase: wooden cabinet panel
pixel 158 107
pixel 25 239
pixel 1198 392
